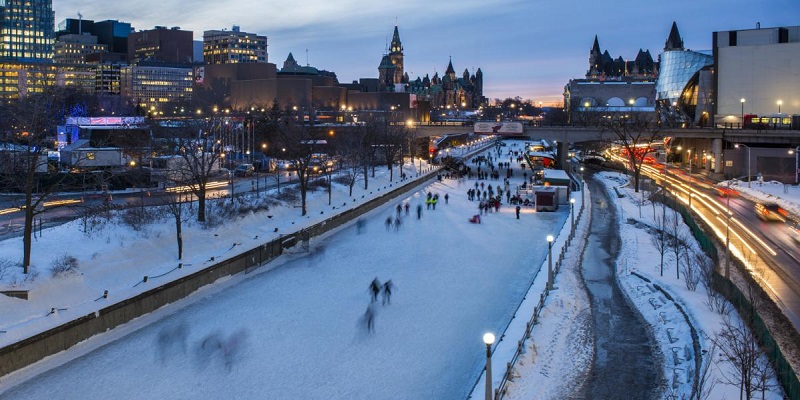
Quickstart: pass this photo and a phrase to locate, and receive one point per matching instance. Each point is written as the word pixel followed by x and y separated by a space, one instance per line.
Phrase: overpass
pixel 710 141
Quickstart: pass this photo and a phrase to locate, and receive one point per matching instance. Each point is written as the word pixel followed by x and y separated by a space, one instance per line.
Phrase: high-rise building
pixel 152 87
pixel 26 30
pixel 234 46
pixel 170 46
pixel 73 49
pixel 112 33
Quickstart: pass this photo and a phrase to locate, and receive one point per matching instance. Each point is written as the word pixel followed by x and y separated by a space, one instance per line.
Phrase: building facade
pixel 756 73
pixel 73 49
pixel 153 88
pixel 234 46
pixel 612 87
pixel 26 27
pixel 171 46
pixel 683 87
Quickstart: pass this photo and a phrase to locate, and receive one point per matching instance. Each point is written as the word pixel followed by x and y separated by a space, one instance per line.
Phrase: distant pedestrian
pixel 446 198
pixel 388 286
pixel 388 223
pixel 518 208
pixel 360 224
pixel 407 207
pixel 419 211
pixel 398 223
pixel 369 318
pixel 375 289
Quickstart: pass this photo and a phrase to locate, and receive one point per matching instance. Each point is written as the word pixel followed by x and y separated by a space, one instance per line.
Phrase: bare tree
pixel 326 168
pixel 390 144
pixel 352 152
pixel 195 145
pixel 172 200
pixel 28 125
pixel 678 238
pixel 300 142
pixel 705 377
pixel 691 270
pixel 740 349
pixel 367 133
pixel 635 133
pixel 661 239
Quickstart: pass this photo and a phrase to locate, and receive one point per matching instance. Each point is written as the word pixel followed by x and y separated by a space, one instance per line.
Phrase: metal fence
pixel 785 374
pixel 502 388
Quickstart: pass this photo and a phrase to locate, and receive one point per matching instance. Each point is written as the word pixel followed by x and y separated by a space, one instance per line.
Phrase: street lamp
pixel 550 239
pixel 488 338
pixel 748 160
pixel 690 161
pixel 742 100
pixel 796 169
pixel 780 102
pixel 572 211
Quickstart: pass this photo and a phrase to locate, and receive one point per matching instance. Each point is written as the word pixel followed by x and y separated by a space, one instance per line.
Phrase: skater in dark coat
pixel 388 286
pixel 375 289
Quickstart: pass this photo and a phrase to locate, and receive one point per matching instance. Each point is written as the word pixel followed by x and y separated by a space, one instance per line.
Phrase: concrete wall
pixel 33 349
pixel 761 75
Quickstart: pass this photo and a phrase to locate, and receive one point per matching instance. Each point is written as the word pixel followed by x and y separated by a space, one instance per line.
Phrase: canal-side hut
pixel 560 181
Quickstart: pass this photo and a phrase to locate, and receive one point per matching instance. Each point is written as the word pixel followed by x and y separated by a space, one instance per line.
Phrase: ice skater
pixel 388 286
pixel 375 289
pixel 369 318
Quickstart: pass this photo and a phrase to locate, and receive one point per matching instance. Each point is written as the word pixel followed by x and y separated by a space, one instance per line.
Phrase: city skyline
pixel 504 39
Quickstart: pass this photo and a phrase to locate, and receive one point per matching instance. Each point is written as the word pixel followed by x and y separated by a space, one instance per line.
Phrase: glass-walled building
pixel 26 29
pixel 683 88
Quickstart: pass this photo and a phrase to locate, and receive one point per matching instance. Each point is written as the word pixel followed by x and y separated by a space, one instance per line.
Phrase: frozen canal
pixel 295 328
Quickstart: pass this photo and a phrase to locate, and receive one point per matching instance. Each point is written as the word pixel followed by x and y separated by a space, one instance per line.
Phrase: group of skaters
pixel 432 199
pixel 385 291
pixel 214 347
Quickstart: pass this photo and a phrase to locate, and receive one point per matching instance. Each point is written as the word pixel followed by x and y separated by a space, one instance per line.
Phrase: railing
pixel 502 388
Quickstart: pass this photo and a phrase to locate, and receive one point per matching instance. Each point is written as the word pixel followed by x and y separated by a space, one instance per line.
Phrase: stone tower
pixel 396 55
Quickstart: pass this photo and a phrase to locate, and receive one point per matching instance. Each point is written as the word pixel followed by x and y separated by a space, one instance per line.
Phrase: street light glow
pixel 488 338
pixel 550 238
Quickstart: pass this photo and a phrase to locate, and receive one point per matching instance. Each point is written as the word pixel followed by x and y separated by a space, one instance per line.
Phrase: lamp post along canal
pixel 488 339
pixel 550 240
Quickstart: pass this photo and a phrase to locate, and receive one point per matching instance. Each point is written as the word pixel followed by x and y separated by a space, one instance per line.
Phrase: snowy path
pixel 303 317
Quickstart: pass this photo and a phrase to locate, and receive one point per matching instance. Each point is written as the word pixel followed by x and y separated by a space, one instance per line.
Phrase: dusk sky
pixel 525 48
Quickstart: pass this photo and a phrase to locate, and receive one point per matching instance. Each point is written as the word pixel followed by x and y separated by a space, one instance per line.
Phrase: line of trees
pixel 28 128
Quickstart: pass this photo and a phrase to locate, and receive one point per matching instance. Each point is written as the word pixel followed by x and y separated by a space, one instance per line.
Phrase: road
pixel 63 207
pixel 765 248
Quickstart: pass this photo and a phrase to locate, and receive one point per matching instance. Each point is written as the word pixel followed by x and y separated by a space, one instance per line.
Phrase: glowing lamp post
pixel 748 160
pixel 572 211
pixel 488 339
pixel 550 240
pixel 742 101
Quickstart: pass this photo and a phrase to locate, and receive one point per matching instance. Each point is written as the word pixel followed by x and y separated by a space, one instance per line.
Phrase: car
pixel 770 212
pixel 244 170
pixel 726 191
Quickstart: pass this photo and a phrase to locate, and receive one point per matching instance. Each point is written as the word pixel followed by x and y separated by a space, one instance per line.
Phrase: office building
pixel 26 28
pixel 234 47
pixel 168 46
pixel 73 49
